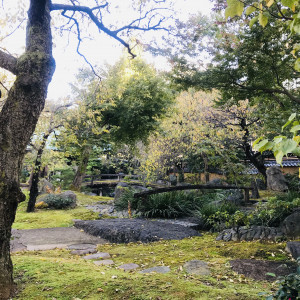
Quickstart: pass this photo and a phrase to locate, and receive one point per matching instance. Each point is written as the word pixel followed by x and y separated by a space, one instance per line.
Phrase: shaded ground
pixel 134 230
pixel 50 238
pixel 261 269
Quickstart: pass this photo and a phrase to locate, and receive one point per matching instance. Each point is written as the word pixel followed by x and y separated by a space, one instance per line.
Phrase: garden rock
pixel 97 255
pixel 276 180
pixel 158 269
pixel 251 233
pixel 70 195
pixel 293 248
pixel 128 267
pixel 104 262
pixel 291 225
pixel 236 197
pixel 83 252
pixel 44 186
pixel 259 269
pixel 82 247
pixel 134 230
pixel 197 267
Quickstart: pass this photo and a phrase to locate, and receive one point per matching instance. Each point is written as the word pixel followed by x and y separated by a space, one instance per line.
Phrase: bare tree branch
pixel 134 25
pixel 8 62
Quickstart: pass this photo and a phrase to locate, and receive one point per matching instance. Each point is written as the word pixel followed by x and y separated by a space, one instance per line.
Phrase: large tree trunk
pixel 250 155
pixel 18 118
pixel 80 173
pixel 34 188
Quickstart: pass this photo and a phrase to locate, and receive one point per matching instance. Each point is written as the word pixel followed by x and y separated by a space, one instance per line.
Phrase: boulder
pixel 293 248
pixel 236 197
pixel 291 225
pixel 276 180
pixel 45 187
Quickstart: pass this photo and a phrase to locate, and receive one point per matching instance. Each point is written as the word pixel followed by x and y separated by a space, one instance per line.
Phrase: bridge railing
pixel 246 189
pixel 90 179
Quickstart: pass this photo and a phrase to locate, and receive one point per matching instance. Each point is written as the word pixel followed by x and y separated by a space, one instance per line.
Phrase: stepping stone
pixel 158 269
pixel 82 247
pixel 97 255
pixel 197 267
pixel 84 252
pixel 127 267
pixel 293 248
pixel 104 262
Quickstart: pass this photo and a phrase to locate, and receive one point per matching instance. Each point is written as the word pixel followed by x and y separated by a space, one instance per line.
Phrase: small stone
pixel 129 266
pixel 97 255
pixel 82 246
pixel 84 252
pixel 197 267
pixel 104 262
pixel 158 269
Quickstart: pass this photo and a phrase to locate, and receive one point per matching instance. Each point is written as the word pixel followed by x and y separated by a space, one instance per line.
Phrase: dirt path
pixel 50 238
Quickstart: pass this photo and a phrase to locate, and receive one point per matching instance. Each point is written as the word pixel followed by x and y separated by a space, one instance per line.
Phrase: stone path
pixel 196 267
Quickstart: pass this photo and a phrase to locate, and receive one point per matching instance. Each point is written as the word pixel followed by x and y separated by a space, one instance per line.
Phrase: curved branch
pixel 112 33
pixel 8 62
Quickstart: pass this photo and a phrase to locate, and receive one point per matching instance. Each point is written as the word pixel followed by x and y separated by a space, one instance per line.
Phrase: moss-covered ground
pixel 47 218
pixel 59 275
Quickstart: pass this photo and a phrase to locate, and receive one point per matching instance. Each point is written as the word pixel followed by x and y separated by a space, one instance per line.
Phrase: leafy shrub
pixel 170 205
pixel 273 212
pixel 293 182
pixel 41 205
pixel 215 216
pixel 289 287
pixel 127 196
pixel 58 201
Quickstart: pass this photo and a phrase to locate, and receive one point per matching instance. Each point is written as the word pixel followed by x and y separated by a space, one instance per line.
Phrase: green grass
pixel 47 218
pixel 57 274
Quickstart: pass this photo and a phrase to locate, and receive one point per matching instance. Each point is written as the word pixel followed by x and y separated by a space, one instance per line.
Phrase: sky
pixel 99 51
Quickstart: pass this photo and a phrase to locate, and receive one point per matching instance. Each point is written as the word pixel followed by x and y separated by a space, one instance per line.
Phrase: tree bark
pixel 80 173
pixel 250 155
pixel 34 188
pixel 18 118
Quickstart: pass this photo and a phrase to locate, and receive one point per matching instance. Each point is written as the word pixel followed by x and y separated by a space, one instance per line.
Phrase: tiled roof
pixel 272 163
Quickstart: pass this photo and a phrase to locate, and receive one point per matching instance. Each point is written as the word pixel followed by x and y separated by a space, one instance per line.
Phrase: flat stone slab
pixel 134 230
pixel 51 238
pixel 259 269
pixel 97 255
pixel 293 248
pixel 197 267
pixel 130 266
pixel 158 269
pixel 83 252
pixel 82 247
pixel 104 262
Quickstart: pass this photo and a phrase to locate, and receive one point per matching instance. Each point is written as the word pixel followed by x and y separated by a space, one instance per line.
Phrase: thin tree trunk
pixel 80 173
pixel 34 188
pixel 18 119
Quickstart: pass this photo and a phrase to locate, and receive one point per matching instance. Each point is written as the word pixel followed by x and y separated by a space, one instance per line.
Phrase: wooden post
pixel 246 195
pixel 92 180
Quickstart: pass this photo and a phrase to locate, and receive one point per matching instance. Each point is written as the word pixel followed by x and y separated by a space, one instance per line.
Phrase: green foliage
pixel 215 216
pixel 293 182
pixel 63 177
pixel 282 145
pixel 274 211
pixel 58 201
pixel 289 286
